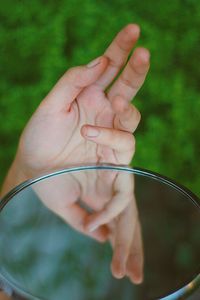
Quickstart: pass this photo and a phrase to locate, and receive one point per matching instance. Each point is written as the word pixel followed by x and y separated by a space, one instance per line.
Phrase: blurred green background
pixel 41 39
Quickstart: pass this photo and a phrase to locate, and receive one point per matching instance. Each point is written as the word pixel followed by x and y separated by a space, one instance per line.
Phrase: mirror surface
pixel 143 229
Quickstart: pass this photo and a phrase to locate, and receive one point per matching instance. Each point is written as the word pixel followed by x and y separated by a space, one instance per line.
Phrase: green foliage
pixel 41 39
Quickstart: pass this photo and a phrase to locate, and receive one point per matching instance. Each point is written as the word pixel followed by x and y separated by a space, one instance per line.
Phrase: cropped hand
pixel 100 204
pixel 78 122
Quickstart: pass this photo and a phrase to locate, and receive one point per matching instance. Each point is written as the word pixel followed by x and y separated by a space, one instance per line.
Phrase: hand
pixel 102 205
pixel 78 122
pixel 70 195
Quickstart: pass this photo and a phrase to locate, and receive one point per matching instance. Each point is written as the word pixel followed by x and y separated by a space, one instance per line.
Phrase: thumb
pixel 74 81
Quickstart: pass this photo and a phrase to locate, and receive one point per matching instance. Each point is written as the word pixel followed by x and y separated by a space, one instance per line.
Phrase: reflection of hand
pixel 100 204
pixel 70 196
pixel 77 122
pixel 121 216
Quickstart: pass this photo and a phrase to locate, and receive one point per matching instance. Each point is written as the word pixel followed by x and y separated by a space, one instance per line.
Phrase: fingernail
pixel 94 62
pixel 92 132
pixel 122 272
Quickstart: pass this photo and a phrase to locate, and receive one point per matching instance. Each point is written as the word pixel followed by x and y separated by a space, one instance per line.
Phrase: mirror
pixel 100 232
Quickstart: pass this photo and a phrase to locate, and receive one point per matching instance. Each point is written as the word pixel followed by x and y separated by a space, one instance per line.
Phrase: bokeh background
pixel 41 39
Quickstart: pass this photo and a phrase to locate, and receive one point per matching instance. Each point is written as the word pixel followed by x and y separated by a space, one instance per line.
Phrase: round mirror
pixel 100 232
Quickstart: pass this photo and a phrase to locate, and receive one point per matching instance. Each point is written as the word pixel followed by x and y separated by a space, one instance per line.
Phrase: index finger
pixel 118 52
pixel 73 82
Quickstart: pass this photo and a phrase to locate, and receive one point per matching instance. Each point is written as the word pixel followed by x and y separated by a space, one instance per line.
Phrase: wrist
pixel 14 177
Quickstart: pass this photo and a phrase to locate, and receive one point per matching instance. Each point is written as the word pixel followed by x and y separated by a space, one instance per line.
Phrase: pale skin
pixel 78 122
pixel 110 196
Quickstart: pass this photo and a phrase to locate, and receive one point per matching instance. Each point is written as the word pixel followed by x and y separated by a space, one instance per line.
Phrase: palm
pixel 91 107
pixel 56 140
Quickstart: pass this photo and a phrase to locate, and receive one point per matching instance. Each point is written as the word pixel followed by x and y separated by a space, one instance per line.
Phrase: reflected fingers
pixel 125 227
pixel 122 195
pixel 75 216
pixel 135 261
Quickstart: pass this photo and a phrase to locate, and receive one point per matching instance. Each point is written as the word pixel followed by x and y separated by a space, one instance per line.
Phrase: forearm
pixel 14 177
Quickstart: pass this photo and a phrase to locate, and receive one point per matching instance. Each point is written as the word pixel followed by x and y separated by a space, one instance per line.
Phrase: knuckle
pixel 74 72
pixel 131 142
pixel 139 69
pixel 127 142
pixel 114 63
pixel 126 81
pixel 75 75
pixel 71 72
pixel 129 83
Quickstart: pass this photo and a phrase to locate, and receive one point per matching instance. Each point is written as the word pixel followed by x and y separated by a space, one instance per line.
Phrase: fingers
pixel 117 140
pixel 136 258
pixel 123 195
pixel 66 193
pixel 110 211
pixel 118 52
pixel 76 215
pixel 73 82
pixel 127 116
pixel 132 77
pixel 123 241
